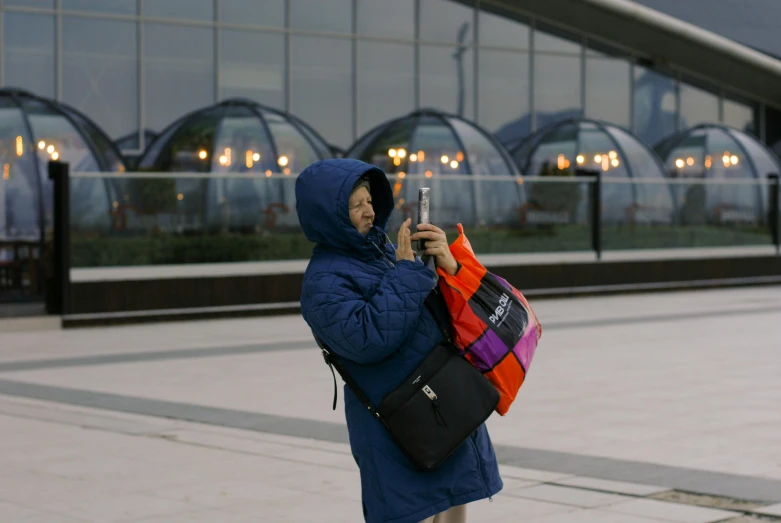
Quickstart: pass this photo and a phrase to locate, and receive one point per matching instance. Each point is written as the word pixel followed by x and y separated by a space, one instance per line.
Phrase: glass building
pixel 720 153
pixel 447 154
pixel 34 130
pixel 345 66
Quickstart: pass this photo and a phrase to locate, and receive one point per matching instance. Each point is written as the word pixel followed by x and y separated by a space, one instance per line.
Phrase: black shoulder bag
pixel 436 408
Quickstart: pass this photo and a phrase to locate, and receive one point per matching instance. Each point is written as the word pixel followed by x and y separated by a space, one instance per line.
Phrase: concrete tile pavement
pixel 626 378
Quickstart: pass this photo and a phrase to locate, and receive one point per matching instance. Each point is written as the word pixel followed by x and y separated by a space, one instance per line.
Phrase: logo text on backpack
pixel 504 306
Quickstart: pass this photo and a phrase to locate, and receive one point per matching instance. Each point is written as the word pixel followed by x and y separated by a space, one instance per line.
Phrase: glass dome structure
pixel 33 131
pixel 236 136
pixel 718 152
pixel 472 177
pixel 582 145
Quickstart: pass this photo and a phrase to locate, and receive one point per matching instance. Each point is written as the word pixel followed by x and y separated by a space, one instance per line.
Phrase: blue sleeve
pixel 361 330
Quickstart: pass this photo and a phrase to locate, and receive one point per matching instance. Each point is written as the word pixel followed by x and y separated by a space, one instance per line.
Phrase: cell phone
pixel 423 213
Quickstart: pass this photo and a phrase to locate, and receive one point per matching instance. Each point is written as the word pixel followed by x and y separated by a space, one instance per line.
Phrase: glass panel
pixel 555 41
pixel 320 146
pixel 191 144
pixel 704 219
pixel 501 31
pixel 20 202
pixel 503 87
pixel 739 116
pixel 763 162
pixel 651 203
pixel 100 71
pixel 556 78
pixel 270 13
pixel 246 73
pixel 608 87
pixel 172 221
pixel 120 7
pixel 151 156
pixel 179 9
pixel 242 145
pixel 386 82
pixel 178 71
pixel 697 106
pixel 380 18
pixel 446 21
pixel 553 155
pixel 99 142
pixel 295 152
pixel 45 4
pixel 446 79
pixel 28 52
pixel 654 102
pixel 315 15
pixel 58 139
pixel 321 69
pixel 482 155
pixel 382 147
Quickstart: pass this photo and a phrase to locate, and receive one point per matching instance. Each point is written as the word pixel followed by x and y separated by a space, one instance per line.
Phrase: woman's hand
pixel 404 250
pixel 436 246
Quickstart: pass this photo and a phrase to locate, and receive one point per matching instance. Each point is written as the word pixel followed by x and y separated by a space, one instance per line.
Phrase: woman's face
pixel 361 211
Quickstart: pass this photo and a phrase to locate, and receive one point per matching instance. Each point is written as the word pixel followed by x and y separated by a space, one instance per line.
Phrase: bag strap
pixel 333 362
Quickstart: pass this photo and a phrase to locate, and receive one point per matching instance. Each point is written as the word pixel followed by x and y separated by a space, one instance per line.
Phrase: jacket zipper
pixel 480 468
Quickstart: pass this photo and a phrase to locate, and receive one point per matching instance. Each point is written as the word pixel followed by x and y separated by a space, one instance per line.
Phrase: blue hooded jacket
pixel 369 309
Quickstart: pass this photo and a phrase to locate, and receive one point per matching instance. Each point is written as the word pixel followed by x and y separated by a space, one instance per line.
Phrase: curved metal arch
pixel 13 94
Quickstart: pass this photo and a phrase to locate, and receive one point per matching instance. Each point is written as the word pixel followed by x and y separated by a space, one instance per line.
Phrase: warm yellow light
pixel 202 154
pixel 460 156
pixel 396 161
pixel 180 197
pixel 268 173
pixel 223 160
pixel 444 159
pixel 402 174
pixel 689 161
pixel 248 160
pixel 55 156
pixel 580 159
pixel 734 160
pixel 560 161
pixel 115 204
pixel 453 164
pixel 519 180
pixel 283 161
pixel 679 163
pixel 612 155
pixel 286 171
pixel 725 160
pixel 428 174
pixel 41 145
pixel 6 171
pixel 598 158
pixel 708 162
pixel 19 146
pixel 50 149
pixel 413 157
pixel 421 156
pixel 392 153
pixel 401 153
pixel 256 157
pixel 605 162
pixel 614 162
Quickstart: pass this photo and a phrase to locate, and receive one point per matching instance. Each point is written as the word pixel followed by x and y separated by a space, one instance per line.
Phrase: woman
pixel 365 299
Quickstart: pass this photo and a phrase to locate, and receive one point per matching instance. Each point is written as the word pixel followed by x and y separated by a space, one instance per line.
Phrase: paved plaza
pixel 638 409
